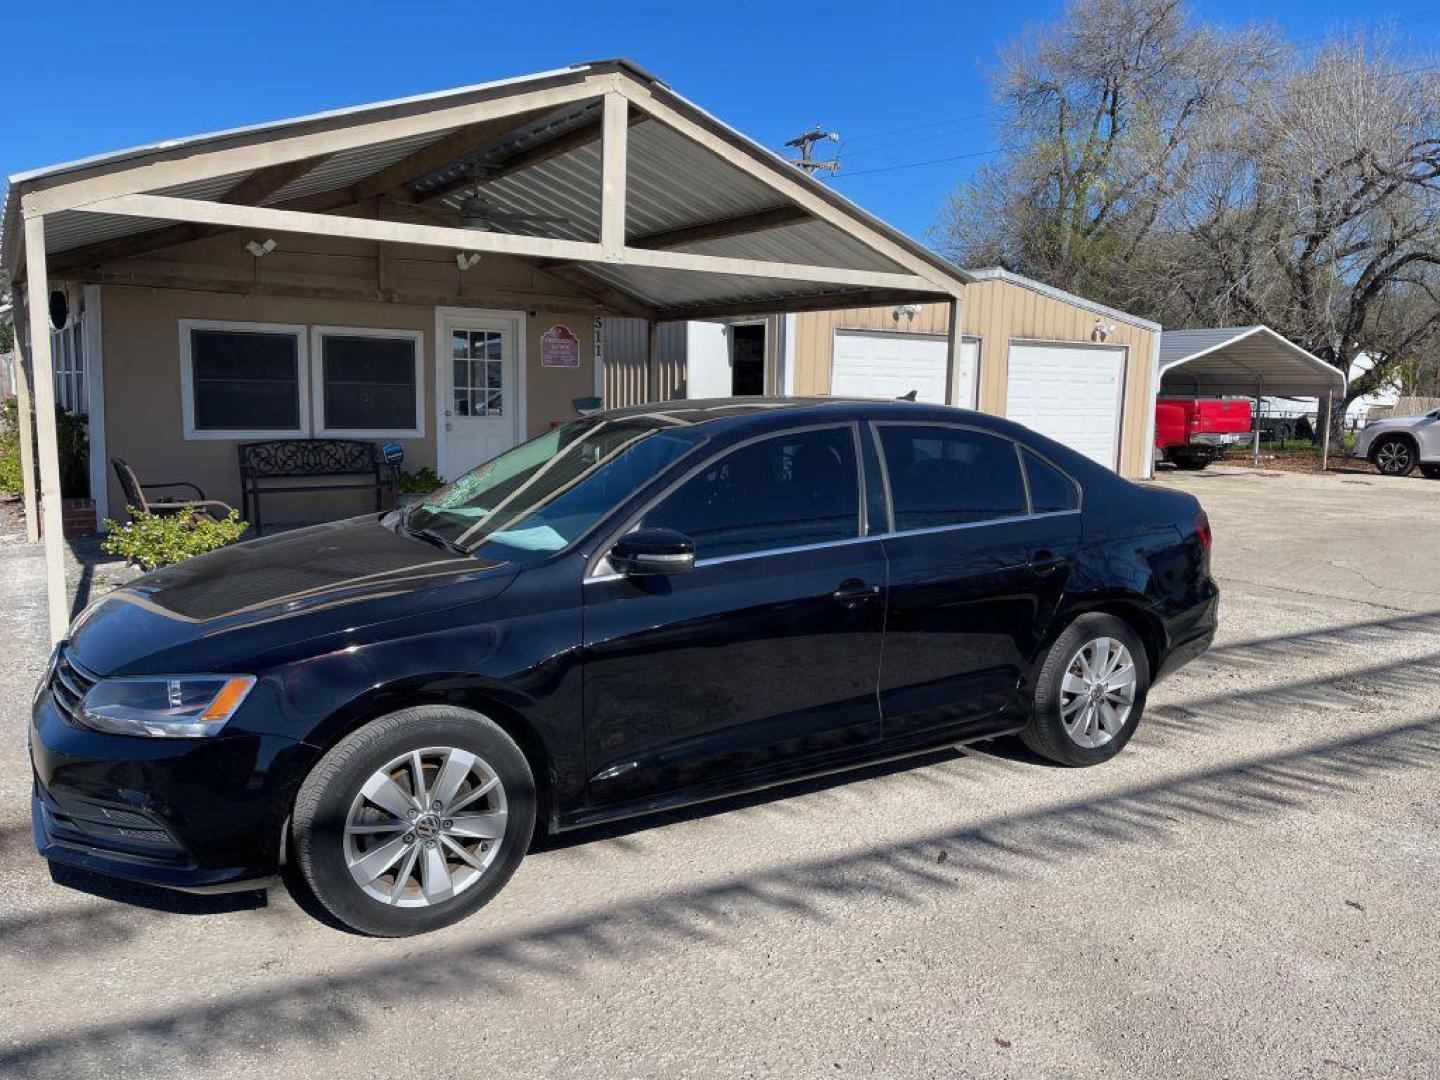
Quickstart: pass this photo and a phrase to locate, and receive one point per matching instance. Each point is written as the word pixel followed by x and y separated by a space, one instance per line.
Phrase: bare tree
pixel 1101 116
pixel 1210 178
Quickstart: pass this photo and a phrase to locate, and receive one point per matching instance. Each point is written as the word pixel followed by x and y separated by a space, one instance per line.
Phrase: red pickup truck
pixel 1192 432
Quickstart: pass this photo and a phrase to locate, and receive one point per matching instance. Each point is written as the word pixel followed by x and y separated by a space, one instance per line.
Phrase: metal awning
pixel 1249 360
pixel 692 186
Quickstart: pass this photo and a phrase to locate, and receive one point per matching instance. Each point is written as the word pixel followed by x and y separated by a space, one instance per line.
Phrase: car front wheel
pixel 414 821
pixel 1090 692
pixel 1393 456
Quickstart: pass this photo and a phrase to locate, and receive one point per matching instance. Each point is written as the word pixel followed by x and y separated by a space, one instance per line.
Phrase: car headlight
pixel 45 677
pixel 165 707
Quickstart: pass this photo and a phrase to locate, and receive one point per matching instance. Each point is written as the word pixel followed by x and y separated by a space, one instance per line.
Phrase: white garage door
pixel 1070 393
pixel 882 364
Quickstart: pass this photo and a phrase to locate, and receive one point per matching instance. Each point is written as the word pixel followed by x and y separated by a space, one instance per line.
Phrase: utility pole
pixel 807 161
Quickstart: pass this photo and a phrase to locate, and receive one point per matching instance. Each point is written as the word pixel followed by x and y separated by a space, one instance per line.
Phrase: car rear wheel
pixel 1393 455
pixel 1090 692
pixel 414 821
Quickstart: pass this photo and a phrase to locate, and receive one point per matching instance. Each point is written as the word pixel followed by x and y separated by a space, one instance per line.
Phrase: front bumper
pixel 197 814
pixel 1363 439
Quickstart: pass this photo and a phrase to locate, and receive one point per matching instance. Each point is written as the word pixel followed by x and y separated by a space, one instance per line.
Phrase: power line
pixel 919 164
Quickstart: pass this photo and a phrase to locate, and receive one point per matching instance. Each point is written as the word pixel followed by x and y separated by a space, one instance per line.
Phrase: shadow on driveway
pixel 332 1009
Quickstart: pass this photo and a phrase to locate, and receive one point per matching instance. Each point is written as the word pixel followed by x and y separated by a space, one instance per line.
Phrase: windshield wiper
pixel 432 537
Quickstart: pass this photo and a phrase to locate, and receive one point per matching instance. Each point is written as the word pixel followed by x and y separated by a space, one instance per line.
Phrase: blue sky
pixel 902 82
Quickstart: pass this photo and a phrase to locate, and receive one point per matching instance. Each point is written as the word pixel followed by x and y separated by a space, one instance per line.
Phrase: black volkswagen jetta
pixel 645 608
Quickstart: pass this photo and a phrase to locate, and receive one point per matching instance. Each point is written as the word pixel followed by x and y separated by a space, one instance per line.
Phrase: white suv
pixel 1397 444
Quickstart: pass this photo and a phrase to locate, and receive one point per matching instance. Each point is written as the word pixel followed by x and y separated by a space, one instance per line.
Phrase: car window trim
pixel 1075 484
pixel 603 550
pixel 961 426
pixel 890 532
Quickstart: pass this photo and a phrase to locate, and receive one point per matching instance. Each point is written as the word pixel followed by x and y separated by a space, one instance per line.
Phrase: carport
pixel 493 226
pixel 1246 361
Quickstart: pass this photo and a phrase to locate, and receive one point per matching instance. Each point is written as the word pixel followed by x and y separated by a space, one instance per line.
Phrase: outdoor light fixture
pixel 1102 330
pixel 908 310
pixel 260 248
pixel 466 259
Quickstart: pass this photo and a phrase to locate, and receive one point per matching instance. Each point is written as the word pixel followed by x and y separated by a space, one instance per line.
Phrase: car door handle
pixel 1045 562
pixel 854 592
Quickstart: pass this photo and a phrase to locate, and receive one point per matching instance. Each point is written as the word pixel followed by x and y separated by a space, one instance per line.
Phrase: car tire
pixel 1190 462
pixel 358 814
pixel 1393 455
pixel 1087 734
pixel 1430 472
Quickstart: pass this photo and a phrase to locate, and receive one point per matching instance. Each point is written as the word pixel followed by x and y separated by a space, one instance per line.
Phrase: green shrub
pixel 151 540
pixel 11 478
pixel 73 442
pixel 421 481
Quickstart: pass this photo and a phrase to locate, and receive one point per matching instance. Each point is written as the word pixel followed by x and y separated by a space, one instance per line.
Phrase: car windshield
pixel 536 499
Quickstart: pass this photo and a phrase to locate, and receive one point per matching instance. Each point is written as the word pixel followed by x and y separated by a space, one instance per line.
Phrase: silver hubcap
pixel 425 827
pixel 1393 457
pixel 1097 692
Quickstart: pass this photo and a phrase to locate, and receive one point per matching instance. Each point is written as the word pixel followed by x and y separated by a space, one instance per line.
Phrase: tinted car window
pixel 793 489
pixel 950 476
pixel 1051 491
pixel 538 497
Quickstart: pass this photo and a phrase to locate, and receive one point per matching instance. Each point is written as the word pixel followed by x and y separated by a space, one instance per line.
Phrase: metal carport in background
pixel 1249 361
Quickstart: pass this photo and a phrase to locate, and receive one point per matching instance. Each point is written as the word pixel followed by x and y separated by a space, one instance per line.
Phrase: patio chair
pixel 135 495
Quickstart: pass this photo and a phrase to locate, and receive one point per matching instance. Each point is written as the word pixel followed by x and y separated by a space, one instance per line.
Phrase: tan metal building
pixel 1073 369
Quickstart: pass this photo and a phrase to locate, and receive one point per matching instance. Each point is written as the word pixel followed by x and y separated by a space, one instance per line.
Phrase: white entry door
pixel 480 391
pixel 887 364
pixel 1071 393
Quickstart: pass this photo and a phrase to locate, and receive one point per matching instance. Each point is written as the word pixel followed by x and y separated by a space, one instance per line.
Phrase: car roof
pixel 734 414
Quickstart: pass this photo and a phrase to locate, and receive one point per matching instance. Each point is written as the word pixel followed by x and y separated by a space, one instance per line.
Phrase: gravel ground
pixel 1249 890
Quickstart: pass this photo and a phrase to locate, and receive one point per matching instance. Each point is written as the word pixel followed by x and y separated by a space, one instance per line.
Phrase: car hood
pixel 246 600
pixel 1397 422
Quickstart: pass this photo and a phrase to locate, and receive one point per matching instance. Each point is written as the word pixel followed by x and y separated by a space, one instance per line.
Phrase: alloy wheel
pixel 1393 456
pixel 1097 692
pixel 425 826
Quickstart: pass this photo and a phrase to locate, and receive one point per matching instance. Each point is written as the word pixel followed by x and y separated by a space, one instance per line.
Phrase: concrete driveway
pixel 1251 889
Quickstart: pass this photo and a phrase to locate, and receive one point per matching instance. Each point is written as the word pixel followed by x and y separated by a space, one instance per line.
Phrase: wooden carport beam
pixel 48 443
pixel 576 139
pixel 260 184
pixel 790 305
pixel 458 239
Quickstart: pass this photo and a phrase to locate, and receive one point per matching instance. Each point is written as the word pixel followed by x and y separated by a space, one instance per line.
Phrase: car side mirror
pixel 653 551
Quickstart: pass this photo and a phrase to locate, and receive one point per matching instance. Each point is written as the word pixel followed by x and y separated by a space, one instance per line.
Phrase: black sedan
pixel 645 608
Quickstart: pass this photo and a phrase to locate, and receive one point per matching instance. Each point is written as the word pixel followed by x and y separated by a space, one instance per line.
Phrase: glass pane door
pixel 478 381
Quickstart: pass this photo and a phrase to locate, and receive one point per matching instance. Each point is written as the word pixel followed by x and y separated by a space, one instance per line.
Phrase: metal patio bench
pixel 265 468
pixel 136 498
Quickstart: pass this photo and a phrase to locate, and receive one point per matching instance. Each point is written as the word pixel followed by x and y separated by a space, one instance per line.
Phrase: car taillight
pixel 1202 530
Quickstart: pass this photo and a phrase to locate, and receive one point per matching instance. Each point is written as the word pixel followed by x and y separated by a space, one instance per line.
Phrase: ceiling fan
pixel 475 211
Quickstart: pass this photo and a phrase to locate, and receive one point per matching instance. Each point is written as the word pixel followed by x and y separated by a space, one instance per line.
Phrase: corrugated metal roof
pixel 1242 360
pixel 672 182
pixel 348 166
pixel 999 273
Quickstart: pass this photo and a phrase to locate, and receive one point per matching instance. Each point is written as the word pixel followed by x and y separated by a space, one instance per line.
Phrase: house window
pixel 367 382
pixel 265 380
pixel 242 380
